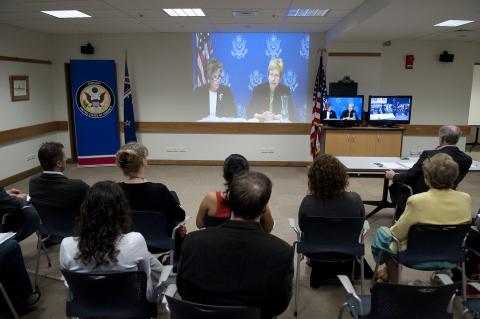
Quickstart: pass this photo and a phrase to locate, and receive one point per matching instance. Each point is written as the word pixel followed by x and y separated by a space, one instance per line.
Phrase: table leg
pixel 384 203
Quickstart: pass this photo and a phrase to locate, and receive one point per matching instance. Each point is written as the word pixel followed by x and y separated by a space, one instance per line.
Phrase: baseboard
pixel 17 177
pixel 220 163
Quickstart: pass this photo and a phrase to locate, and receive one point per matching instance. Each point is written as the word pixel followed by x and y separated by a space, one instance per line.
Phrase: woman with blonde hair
pixel 141 194
pixel 440 205
pixel 267 97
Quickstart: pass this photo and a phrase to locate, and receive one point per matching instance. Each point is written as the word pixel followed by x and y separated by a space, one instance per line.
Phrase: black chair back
pixel 56 221
pixel 121 294
pixel 399 193
pixel 153 226
pixel 396 301
pixel 212 221
pixel 431 243
pixel 180 309
pixel 331 234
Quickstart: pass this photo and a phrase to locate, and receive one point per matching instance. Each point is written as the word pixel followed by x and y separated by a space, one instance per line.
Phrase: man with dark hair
pixel 51 187
pixel 237 263
pixel 448 139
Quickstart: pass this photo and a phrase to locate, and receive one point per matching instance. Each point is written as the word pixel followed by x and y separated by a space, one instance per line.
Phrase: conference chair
pixel 432 243
pixel 153 226
pixel 9 302
pixel 399 193
pixel 180 309
pixel 330 235
pixel 472 305
pixel 113 294
pixel 58 223
pixel 212 221
pixel 394 301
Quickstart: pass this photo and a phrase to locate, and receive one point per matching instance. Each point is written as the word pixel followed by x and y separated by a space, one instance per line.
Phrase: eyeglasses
pixel 216 77
pixel 274 76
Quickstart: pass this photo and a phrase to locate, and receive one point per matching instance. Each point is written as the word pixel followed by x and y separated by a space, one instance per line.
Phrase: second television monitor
pixel 384 110
pixel 343 108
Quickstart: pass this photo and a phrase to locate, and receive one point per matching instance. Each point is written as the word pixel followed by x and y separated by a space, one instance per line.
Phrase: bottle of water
pixel 284 111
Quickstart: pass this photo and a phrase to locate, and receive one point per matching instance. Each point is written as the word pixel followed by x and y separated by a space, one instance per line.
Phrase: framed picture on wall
pixel 19 90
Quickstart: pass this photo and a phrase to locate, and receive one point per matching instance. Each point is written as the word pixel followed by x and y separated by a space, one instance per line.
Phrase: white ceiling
pixel 380 20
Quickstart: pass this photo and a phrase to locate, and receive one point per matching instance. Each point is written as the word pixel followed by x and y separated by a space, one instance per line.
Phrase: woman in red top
pixel 214 204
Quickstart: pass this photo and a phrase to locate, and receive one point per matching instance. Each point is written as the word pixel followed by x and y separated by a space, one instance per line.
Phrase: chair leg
pixel 399 273
pixel 375 272
pixel 37 262
pixel 44 249
pixel 464 313
pixel 295 311
pixel 342 310
pixel 464 284
pixel 352 279
pixel 362 276
pixel 9 303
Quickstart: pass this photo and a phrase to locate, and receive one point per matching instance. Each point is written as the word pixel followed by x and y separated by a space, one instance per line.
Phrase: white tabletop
pixel 381 164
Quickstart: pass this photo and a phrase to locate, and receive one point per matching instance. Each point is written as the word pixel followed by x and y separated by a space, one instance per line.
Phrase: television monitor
pixel 342 109
pixel 389 110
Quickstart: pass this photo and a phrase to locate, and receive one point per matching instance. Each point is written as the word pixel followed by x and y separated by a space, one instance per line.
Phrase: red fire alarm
pixel 409 58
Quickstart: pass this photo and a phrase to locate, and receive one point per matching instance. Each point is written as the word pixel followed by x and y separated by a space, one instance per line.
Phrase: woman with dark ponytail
pixel 215 204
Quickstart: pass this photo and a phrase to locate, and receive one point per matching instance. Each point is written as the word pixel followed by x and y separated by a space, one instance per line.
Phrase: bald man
pixel 448 138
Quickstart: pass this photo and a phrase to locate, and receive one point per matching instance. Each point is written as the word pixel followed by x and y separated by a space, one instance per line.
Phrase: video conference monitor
pixel 389 110
pixel 346 109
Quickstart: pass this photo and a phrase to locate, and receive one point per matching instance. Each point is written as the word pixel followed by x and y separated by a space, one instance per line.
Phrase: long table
pixel 378 166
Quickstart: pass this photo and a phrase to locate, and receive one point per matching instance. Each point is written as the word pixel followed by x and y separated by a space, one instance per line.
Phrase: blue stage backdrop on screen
pixel 340 107
pixel 245 58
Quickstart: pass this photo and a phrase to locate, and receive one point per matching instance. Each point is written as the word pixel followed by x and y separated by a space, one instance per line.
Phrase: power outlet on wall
pixel 30 157
pixel 267 150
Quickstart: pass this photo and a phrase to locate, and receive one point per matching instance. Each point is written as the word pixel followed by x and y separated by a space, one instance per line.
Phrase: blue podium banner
pixel 95 111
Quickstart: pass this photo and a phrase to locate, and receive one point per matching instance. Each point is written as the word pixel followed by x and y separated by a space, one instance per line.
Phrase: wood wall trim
pixel 355 54
pixel 18 177
pixel 430 130
pixel 28 132
pixel 220 163
pixel 24 60
pixel 223 128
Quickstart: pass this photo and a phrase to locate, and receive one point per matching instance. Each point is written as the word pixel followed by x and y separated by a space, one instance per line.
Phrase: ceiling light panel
pixel 306 12
pixel 184 12
pixel 452 23
pixel 67 14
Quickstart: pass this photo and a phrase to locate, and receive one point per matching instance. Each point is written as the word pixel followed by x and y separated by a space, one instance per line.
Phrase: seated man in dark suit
pixel 237 263
pixel 328 114
pixel 448 139
pixel 51 188
pixel 23 217
pixel 349 113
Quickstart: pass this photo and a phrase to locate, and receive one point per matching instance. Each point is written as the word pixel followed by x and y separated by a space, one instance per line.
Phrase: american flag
pixel 319 99
pixel 128 116
pixel 203 45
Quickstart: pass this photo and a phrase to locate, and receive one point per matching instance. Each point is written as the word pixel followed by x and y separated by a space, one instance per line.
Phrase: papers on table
pixel 391 165
pixel 6 236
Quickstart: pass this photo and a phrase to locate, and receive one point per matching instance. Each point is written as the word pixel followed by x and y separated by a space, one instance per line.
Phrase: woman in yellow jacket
pixel 440 205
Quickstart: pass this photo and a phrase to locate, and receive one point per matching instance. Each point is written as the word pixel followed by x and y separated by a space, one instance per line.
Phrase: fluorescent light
pixel 452 23
pixel 170 12
pixel 64 14
pixel 306 12
pixel 199 12
pixel 185 12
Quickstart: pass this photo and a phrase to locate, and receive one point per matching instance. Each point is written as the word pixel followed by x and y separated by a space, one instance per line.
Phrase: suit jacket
pixel 261 100
pixel 236 263
pixel 414 176
pixel 57 190
pixel 333 115
pixel 225 105
pixel 353 114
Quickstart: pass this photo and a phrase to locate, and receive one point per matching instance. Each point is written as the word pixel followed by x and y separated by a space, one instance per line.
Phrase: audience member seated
pixel 103 242
pixel 14 277
pixel 215 203
pixel 440 205
pixel 52 188
pixel 237 263
pixel 327 183
pixel 448 139
pixel 143 195
pixel 23 217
